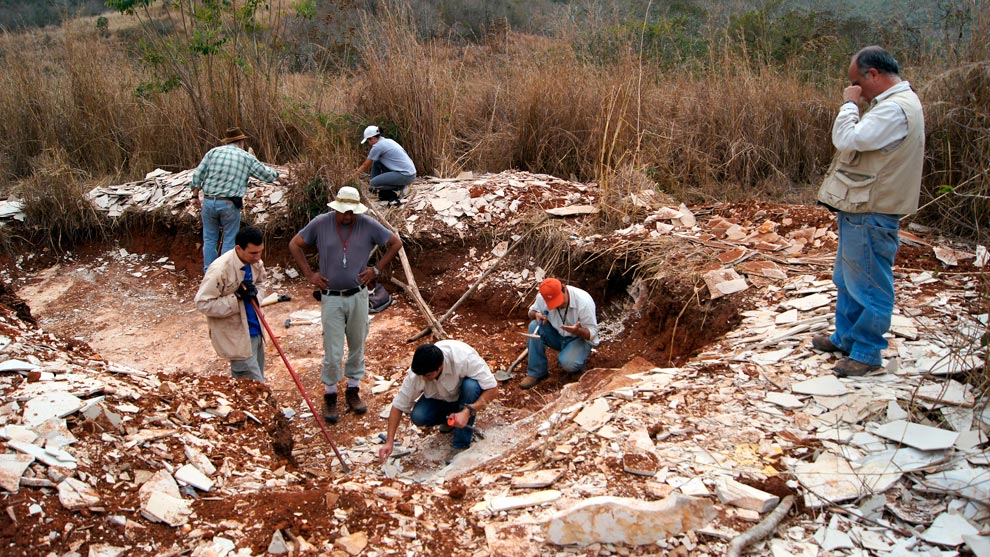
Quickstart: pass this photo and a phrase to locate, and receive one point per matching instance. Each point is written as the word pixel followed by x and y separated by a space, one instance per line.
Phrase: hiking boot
pixel 529 382
pixel 824 343
pixel 848 367
pixel 453 452
pixel 330 414
pixel 444 428
pixel 354 401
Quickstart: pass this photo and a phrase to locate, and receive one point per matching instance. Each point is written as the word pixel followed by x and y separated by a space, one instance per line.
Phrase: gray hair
pixel 877 58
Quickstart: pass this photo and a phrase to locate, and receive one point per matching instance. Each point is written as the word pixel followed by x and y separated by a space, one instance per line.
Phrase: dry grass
pixel 731 129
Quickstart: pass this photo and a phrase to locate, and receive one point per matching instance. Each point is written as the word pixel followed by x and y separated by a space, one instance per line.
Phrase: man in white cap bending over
pixel 344 238
pixel 391 168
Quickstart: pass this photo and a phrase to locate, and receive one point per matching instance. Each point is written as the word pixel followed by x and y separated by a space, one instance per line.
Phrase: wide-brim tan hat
pixel 233 134
pixel 348 199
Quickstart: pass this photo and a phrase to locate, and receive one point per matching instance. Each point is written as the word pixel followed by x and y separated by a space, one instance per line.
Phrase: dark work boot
pixel 354 400
pixel 330 408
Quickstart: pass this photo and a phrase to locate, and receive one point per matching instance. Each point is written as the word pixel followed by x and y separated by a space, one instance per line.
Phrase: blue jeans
pixel 384 178
pixel 573 351
pixel 864 277
pixel 218 214
pixel 433 411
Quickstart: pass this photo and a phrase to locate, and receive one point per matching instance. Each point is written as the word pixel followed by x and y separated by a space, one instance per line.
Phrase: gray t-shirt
pixel 392 155
pixel 359 237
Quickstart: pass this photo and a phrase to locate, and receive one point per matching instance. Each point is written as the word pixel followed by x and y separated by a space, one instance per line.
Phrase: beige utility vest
pixel 878 182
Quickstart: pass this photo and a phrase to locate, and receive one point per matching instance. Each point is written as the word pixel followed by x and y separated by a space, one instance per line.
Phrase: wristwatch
pixel 471 410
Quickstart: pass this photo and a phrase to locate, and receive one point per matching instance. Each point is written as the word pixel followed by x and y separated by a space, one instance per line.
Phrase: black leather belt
pixel 217 198
pixel 342 293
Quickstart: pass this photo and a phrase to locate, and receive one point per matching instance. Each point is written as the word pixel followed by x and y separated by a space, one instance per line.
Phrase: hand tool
pixel 292 372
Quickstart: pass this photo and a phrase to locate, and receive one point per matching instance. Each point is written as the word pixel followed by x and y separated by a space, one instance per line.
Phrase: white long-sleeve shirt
pixel 580 309
pixel 459 362
pixel 882 128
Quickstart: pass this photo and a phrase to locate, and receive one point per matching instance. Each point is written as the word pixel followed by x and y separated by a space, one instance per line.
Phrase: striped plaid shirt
pixel 225 170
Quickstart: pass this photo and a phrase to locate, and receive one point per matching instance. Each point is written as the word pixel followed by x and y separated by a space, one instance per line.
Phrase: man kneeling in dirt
pixel 225 296
pixel 563 319
pixel 455 384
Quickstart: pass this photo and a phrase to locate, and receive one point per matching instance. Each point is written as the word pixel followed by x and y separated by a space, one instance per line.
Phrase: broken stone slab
pixel 808 303
pixel 722 282
pixel 354 543
pixel 512 539
pixel 218 547
pixel 106 550
pixel 919 436
pixel 191 475
pixel 17 366
pixel 971 483
pixel 161 507
pixel 825 385
pixel 56 404
pixel 277 545
pixel 979 545
pixel 830 538
pixel 508 503
pixel 785 400
pixel 12 467
pixel 76 494
pixel 949 529
pixel 199 460
pixel 904 327
pixel 51 458
pixel 949 365
pixel 640 464
pixel 740 495
pixel 950 392
pixel 609 519
pixel 55 433
pixel 830 478
pixel 537 479
pixel 573 210
pixel 594 415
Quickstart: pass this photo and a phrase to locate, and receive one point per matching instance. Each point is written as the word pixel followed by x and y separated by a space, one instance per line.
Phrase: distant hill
pixel 22 14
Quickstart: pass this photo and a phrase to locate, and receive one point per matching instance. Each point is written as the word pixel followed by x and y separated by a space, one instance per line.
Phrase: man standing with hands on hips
pixel 874 179
pixel 563 318
pixel 344 238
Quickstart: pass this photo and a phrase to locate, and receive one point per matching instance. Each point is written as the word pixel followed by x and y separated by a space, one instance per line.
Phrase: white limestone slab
pixel 537 479
pixel 949 392
pixel 949 365
pixel 979 545
pixel 51 458
pixel 75 494
pixel 971 483
pixel 830 538
pixel 919 436
pixel 191 475
pixel 808 303
pixel 830 477
pixel 785 400
pixel 786 318
pixel 970 439
pixel 895 412
pixel 16 432
pixel 958 418
pixel 12 467
pixel 904 327
pixel 825 385
pixel 56 404
pixel 510 502
pixel 948 529
pixel 17 365
pixel 740 495
pixel 624 520
pixel 594 415
pixel 161 507
pixel 770 358
pixel 695 487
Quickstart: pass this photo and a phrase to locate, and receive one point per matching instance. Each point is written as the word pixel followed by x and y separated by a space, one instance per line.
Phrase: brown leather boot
pixel 354 401
pixel 330 414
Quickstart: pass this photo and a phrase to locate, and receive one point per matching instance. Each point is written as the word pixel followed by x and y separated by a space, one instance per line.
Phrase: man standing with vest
pixel 874 179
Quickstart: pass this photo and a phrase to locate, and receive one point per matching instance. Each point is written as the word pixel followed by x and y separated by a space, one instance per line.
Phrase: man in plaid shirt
pixel 223 176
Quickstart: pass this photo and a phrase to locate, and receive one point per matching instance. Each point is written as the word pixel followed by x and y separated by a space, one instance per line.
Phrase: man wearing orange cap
pixel 564 319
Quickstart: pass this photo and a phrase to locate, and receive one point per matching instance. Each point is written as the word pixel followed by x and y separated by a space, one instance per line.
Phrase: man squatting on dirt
pixel 344 238
pixel 455 382
pixel 875 178
pixel 225 297
pixel 564 318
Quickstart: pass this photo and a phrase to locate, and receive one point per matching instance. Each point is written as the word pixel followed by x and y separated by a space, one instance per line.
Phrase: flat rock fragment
pixel 508 503
pixel 12 467
pixel 948 529
pixel 624 520
pixel 75 494
pixel 825 385
pixel 354 543
pixel 740 495
pixel 919 436
pixel 537 479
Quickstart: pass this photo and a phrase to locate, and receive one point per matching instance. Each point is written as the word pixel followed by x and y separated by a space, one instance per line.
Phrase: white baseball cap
pixel 348 199
pixel 369 132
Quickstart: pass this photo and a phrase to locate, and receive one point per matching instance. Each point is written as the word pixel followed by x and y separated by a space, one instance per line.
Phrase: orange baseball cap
pixel 552 292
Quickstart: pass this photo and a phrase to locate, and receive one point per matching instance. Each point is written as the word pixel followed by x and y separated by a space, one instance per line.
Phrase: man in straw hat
pixel 344 238
pixel 563 319
pixel 223 177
